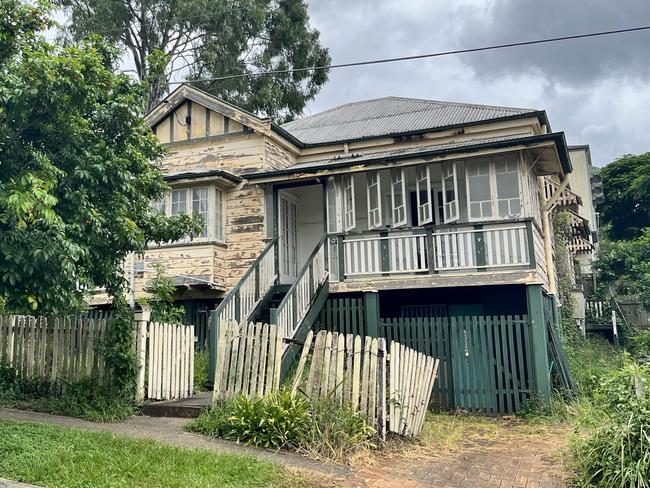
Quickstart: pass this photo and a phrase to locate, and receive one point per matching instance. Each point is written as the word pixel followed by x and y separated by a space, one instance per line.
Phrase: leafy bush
pixel 86 399
pixel 321 429
pixel 616 452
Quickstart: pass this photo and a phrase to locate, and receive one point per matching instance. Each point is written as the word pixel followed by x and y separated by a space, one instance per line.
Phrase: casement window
pixel 349 214
pixel 207 201
pixel 334 223
pixel 449 192
pixel 423 194
pixel 398 197
pixel 493 188
pixel 374 200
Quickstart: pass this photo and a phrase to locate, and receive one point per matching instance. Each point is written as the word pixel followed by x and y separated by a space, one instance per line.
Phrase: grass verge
pixel 58 456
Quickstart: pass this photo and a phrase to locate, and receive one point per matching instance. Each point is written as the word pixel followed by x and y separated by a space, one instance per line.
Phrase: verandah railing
pixel 432 250
pixel 294 307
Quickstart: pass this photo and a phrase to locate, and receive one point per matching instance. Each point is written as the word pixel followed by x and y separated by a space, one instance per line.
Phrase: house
pixel 417 220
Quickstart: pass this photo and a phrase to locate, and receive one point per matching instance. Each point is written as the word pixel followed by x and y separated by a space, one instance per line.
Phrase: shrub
pixel 617 451
pixel 201 366
pixel 321 429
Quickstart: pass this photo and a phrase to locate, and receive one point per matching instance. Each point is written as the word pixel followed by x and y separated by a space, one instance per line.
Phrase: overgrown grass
pixel 322 430
pixel 201 365
pixel 58 456
pixel 85 399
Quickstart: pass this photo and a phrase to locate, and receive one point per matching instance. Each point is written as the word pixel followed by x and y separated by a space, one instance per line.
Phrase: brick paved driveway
pixel 512 461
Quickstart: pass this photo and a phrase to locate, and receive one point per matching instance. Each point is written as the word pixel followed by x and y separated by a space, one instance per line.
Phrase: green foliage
pixel 76 178
pixel 625 265
pixel 161 290
pixel 616 451
pixel 626 187
pixel 562 232
pixel 201 368
pixel 322 429
pixel 590 360
pixel 335 431
pixel 231 38
pixel 275 421
pixel 119 351
pixel 50 455
pixel 85 399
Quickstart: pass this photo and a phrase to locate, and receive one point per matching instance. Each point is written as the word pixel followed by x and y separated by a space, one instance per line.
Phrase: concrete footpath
pixel 170 431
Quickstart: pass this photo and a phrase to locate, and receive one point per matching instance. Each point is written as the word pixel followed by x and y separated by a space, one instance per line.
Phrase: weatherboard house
pixel 423 221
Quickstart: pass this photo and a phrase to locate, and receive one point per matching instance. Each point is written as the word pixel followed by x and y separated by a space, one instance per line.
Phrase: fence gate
pixel 166 358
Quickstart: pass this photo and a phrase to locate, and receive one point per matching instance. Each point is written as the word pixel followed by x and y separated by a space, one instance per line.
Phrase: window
pixel 207 201
pixel 179 201
pixel 423 195
pixel 200 206
pixel 333 199
pixel 374 200
pixel 507 182
pixel 397 197
pixel 449 192
pixel 493 188
pixel 349 214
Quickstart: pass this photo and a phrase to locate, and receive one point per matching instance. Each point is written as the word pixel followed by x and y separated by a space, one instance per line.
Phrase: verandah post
pixel 539 339
pixel 371 302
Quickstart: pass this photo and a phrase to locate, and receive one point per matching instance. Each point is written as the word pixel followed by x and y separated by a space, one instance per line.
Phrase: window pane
pixel 486 209
pixel 219 233
pixel 159 206
pixel 507 185
pixel 504 210
pixel 479 188
pixel 200 206
pixel 179 201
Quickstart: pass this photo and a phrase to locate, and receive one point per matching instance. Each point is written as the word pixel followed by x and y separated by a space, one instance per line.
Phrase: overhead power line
pixel 419 56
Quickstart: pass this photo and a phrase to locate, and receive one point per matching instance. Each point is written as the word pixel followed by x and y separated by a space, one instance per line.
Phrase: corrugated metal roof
pixel 390 115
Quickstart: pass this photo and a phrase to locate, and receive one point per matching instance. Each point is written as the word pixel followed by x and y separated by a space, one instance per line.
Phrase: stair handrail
pixel 232 307
pixel 295 305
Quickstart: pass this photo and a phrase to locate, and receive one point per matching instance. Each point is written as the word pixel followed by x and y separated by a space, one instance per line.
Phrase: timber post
pixel 539 346
pixel 371 302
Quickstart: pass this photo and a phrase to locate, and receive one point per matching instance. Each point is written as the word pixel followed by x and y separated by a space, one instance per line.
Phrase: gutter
pixel 203 174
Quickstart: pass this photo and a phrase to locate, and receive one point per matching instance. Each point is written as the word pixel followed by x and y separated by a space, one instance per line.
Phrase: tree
pixel 76 178
pixel 626 186
pixel 214 38
pixel 625 265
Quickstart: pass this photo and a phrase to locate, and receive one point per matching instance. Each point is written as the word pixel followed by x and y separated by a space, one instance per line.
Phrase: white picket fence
pixel 166 359
pixel 248 360
pixel 392 390
pixel 61 350
pixel 65 350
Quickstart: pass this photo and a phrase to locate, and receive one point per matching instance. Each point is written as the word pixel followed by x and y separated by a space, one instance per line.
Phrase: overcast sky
pixel 596 90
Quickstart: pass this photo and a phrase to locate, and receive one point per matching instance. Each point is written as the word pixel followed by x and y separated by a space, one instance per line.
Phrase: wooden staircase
pixel 258 297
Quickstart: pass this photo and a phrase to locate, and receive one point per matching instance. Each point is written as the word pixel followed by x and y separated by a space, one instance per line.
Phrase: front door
pixel 288 238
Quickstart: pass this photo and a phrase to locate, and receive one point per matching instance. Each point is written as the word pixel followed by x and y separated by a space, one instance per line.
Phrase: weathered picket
pixel 62 350
pixel 411 378
pixel 393 391
pixel 166 358
pixel 248 360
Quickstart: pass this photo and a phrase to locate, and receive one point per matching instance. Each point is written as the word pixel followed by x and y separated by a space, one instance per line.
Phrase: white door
pixel 288 237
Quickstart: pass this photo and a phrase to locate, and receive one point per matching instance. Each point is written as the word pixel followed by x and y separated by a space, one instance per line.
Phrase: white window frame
pixel 349 203
pixel 334 201
pixel 493 190
pixel 374 185
pixel 216 211
pixel 450 208
pixel 425 210
pixel 396 219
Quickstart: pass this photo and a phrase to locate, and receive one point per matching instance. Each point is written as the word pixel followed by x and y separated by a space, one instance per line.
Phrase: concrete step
pixel 183 408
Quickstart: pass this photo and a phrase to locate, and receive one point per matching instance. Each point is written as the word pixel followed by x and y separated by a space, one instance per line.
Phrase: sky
pixel 595 90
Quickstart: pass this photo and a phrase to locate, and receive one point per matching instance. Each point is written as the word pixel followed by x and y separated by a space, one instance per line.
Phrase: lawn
pixel 62 457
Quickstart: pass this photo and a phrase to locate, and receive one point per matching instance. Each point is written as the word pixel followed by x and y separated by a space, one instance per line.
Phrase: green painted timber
pixel 345 315
pixel 539 332
pixel 371 301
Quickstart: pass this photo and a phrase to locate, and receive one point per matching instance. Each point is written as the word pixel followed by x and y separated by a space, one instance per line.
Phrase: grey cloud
pixel 571 62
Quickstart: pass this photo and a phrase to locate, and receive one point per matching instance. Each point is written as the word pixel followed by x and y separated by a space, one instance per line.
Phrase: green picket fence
pixel 344 315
